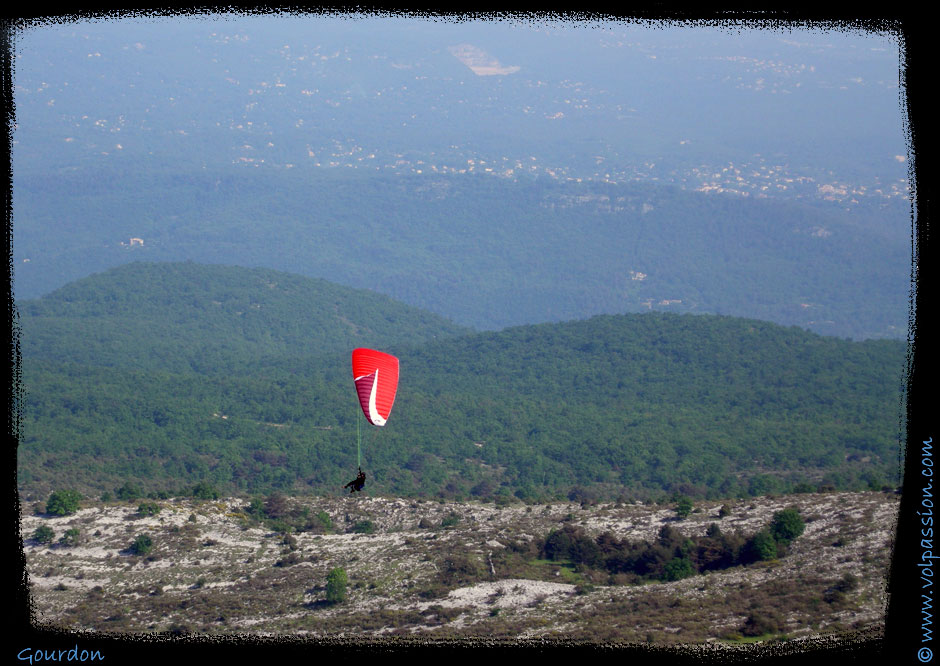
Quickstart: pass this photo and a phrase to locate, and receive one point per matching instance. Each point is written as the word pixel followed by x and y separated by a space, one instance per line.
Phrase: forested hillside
pixel 210 319
pixel 486 252
pixel 633 405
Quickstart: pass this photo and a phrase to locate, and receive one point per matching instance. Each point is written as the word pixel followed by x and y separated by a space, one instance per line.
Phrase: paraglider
pixel 376 377
pixel 375 374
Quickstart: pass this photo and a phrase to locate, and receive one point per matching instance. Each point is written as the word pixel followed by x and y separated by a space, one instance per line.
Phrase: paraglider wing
pixel 376 377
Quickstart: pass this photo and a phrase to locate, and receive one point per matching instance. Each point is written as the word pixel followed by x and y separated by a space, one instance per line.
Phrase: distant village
pixel 758 176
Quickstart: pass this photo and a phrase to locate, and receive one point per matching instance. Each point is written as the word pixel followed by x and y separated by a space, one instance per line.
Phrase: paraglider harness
pixel 356 484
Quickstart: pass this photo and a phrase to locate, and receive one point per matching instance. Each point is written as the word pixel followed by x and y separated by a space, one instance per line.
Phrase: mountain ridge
pixel 639 403
pixel 220 312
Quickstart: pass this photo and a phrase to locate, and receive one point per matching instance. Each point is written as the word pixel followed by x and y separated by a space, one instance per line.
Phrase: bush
pixel 275 506
pixel 450 520
pixel 44 534
pixel 571 543
pixel 205 490
pixel 142 545
pixel 761 546
pixel 255 508
pixel 787 525
pixel 336 586
pixel 63 502
pixel 324 520
pixel 837 593
pixel 459 569
pixel 70 538
pixel 759 624
pixel 148 509
pixel 363 527
pixel 557 545
pixel 128 492
pixel 678 568
pixel 683 507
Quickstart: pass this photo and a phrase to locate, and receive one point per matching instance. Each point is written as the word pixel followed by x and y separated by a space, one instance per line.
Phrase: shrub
pixel 205 490
pixel 571 543
pixel 837 593
pixel 324 520
pixel 787 525
pixel 289 559
pixel 63 502
pixel 678 568
pixel 761 546
pixel 280 526
pixel 44 534
pixel 128 492
pixel 276 506
pixel 336 586
pixel 557 545
pixel 450 520
pixel 70 538
pixel 363 527
pixel 759 624
pixel 683 507
pixel 142 545
pixel 255 508
pixel 148 509
pixel 459 569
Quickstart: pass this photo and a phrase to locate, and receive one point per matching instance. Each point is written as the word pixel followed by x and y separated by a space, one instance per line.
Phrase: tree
pixel 63 502
pixel 678 568
pixel 762 546
pixel 336 586
pixel 787 525
pixel 557 544
pixel 275 506
pixel 205 490
pixel 128 492
pixel 684 507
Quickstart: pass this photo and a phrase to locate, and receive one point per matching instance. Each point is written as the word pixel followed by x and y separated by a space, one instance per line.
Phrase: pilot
pixel 357 483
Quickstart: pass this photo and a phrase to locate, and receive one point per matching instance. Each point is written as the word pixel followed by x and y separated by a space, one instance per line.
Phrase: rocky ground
pixel 451 570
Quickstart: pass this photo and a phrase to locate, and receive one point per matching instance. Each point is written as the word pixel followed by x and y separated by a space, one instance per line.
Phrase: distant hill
pixel 208 318
pixel 484 251
pixel 636 405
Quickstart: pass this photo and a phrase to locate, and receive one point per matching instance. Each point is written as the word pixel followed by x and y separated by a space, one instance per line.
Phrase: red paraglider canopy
pixel 376 377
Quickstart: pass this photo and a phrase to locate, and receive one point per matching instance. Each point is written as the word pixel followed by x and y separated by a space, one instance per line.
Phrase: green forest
pixel 170 375
pixel 483 251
